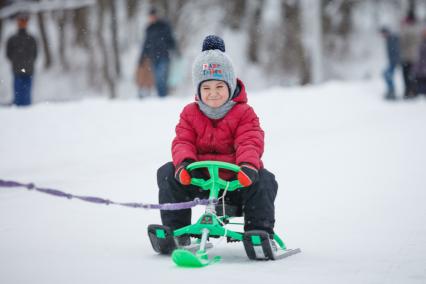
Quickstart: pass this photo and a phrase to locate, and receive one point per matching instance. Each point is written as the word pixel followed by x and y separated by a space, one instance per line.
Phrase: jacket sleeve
pixel 183 145
pixel 34 49
pixel 249 139
pixel 171 43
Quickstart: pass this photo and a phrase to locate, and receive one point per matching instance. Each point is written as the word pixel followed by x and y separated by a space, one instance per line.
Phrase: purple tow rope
pixel 98 200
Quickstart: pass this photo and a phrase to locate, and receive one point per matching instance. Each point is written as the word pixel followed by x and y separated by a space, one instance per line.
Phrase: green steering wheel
pixel 215 183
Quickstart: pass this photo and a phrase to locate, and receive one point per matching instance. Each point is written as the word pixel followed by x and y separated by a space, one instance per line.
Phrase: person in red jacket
pixel 219 126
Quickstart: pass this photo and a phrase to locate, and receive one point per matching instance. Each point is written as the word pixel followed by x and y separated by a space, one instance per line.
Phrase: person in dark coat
pixel 420 67
pixel 410 38
pixel 22 52
pixel 393 55
pixel 159 42
pixel 221 126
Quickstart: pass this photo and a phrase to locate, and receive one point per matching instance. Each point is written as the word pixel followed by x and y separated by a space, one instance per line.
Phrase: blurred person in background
pixel 419 71
pixel 22 52
pixel 393 56
pixel 159 42
pixel 410 38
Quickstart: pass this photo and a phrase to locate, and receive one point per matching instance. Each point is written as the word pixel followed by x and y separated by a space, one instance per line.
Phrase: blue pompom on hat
pixel 213 42
pixel 213 64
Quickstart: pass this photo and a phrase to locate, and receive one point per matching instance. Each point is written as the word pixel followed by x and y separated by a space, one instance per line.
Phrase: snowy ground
pixel 351 170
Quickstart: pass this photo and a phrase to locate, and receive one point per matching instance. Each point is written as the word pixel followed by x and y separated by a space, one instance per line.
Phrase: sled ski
pixel 163 242
pixel 260 246
pixel 162 239
pixel 186 258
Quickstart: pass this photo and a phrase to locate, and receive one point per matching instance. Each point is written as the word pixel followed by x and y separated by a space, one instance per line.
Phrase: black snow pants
pixel 257 201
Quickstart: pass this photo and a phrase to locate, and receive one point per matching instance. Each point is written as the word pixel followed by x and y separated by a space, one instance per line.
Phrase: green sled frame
pixel 209 224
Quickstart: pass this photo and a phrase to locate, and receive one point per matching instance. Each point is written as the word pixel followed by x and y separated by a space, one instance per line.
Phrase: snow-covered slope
pixel 351 170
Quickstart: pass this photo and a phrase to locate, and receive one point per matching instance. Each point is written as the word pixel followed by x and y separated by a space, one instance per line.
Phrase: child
pixel 219 126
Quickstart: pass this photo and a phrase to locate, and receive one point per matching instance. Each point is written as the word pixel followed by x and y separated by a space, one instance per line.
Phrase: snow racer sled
pixel 258 244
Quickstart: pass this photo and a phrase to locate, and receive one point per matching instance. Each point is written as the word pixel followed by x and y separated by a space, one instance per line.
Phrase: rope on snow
pixel 99 200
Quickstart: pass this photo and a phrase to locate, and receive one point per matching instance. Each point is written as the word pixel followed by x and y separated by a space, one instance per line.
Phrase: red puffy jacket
pixel 236 138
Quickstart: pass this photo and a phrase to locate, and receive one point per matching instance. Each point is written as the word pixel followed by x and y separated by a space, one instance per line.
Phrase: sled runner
pixel 259 245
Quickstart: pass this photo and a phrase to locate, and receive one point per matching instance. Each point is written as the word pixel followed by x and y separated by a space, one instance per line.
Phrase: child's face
pixel 214 93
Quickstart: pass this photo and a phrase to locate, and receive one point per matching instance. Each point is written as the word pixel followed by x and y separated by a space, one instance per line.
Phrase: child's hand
pixel 247 175
pixel 181 173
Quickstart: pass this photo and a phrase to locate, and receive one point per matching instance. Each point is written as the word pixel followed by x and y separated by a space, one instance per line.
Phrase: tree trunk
pixel 336 32
pixel 235 11
pixel 314 47
pixel 81 26
pixel 46 48
pixel 325 17
pixel 345 26
pixel 1 31
pixel 61 20
pixel 412 6
pixel 254 31
pixel 294 53
pixel 132 7
pixel 93 77
pixel 2 3
pixel 104 50
pixel 114 38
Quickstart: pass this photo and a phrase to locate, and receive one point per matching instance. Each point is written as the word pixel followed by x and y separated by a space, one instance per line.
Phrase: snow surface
pixel 351 170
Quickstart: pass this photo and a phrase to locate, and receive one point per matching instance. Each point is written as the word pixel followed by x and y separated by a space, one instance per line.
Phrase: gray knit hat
pixel 213 64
